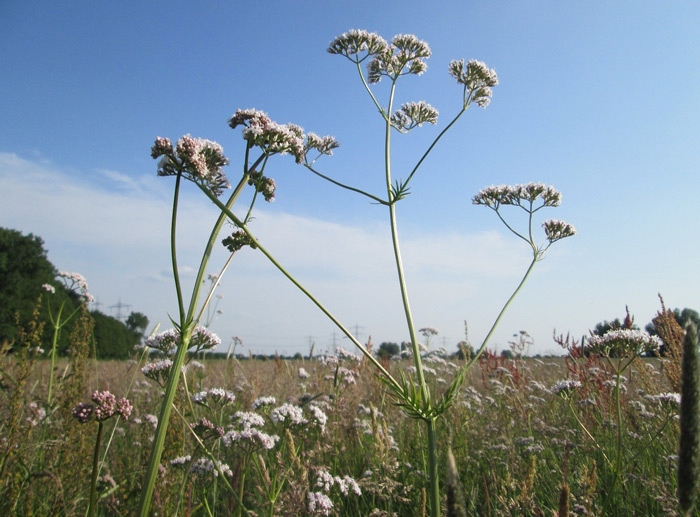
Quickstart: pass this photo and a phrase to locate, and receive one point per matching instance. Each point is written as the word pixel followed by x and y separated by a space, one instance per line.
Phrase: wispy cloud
pixel 115 231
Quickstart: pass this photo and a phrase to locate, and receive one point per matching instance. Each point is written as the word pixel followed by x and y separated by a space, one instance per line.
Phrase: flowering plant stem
pixel 57 326
pixel 92 509
pixel 187 323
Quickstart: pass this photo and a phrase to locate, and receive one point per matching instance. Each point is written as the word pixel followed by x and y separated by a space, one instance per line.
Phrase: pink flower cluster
pixel 197 159
pixel 105 405
pixel 274 138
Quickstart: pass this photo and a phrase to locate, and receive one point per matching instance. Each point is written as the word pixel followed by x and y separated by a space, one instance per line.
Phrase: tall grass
pixel 519 448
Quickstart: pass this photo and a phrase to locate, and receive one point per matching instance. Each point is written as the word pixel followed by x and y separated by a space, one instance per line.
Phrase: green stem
pixel 308 294
pixel 163 420
pixel 481 349
pixel 434 495
pixel 54 345
pixel 92 509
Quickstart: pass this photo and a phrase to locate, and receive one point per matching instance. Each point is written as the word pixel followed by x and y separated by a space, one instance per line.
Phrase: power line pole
pixel 119 306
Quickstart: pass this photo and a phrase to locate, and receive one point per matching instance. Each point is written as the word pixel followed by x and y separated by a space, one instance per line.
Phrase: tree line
pixel 27 275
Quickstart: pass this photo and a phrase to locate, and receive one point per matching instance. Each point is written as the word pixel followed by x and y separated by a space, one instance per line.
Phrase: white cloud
pixel 117 234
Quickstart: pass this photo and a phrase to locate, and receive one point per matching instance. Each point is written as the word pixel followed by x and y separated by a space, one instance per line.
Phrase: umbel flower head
pixel 495 196
pixel 623 343
pixel 105 406
pixel 477 79
pixel 76 282
pixel 354 42
pixel 557 230
pixel 168 340
pixel 271 137
pixel 197 159
pixel 414 114
pixel 405 55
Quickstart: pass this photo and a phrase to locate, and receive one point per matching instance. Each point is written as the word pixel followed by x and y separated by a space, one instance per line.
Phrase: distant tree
pixel 136 324
pixel 507 354
pixel 113 339
pixel 606 326
pixel 24 268
pixel 387 350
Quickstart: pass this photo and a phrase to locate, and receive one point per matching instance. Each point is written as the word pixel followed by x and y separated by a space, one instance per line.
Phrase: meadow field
pixel 570 435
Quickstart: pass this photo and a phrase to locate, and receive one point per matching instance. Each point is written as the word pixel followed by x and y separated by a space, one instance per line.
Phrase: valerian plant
pixel 201 162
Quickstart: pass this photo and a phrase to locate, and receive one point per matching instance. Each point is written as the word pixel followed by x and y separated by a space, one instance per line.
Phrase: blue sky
pixel 600 100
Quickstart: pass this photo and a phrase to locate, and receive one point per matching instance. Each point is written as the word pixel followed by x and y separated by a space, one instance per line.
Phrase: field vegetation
pixel 322 436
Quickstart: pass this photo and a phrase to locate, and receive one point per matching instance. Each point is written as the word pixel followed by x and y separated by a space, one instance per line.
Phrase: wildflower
pixel 344 354
pixel 168 340
pixel 405 55
pixel 623 342
pixel 287 413
pixel 246 419
pixel 477 79
pixel 672 400
pixel 318 417
pixel 161 147
pixel 319 502
pixel 124 408
pixel 429 331
pixel 48 288
pixel 495 196
pixel 180 461
pixel 250 438
pixel 197 159
pixel 82 412
pixel 271 137
pixel 346 375
pixel 206 467
pixel 159 371
pixel 151 419
pixel 565 387
pixel 206 429
pixel 324 145
pixel 263 402
pixel 414 114
pixel 76 282
pixel 303 374
pixel 215 395
pixel 355 41
pixel 557 230
pixel 266 186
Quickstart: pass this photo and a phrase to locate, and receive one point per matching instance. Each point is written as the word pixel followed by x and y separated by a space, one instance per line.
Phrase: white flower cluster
pixel 623 342
pixel 248 419
pixel 405 55
pixel 77 283
pixel 565 386
pixel 250 438
pixel 206 467
pixel 356 41
pixel 345 484
pixel 289 414
pixel 168 340
pixel 263 402
pixel 159 370
pixel 414 114
pixel 494 196
pixel 477 79
pixel 214 395
pixel 556 230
